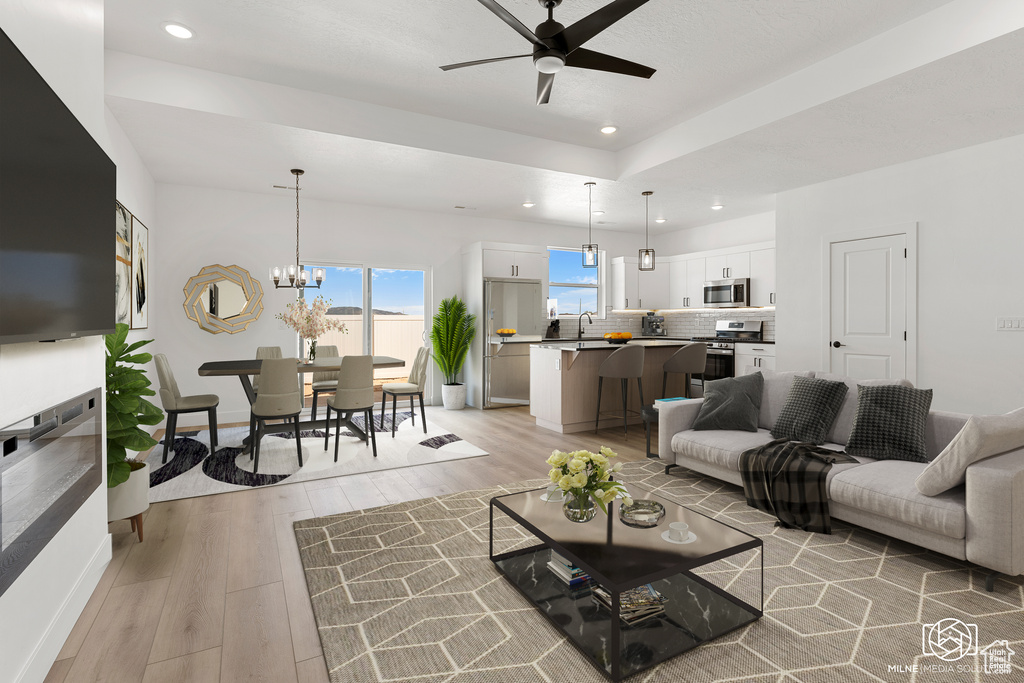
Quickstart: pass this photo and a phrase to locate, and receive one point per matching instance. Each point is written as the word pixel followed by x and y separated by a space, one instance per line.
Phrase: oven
pixel 721 361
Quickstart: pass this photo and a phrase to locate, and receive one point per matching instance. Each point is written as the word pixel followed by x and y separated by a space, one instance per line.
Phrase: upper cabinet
pixel 632 288
pixel 686 283
pixel 727 266
pixel 762 277
pixel 653 287
pixel 515 264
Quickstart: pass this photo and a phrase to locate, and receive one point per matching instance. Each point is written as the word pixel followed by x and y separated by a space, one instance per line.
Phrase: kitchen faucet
pixel 579 333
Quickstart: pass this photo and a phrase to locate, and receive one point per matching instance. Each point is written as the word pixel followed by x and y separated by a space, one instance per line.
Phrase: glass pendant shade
pixel 646 259
pixel 647 254
pixel 590 256
pixel 590 249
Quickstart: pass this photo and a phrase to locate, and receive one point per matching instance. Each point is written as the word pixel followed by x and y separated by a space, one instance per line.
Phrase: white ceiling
pixel 751 97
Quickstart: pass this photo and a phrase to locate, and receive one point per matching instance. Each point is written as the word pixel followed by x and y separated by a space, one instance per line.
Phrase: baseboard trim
pixel 49 646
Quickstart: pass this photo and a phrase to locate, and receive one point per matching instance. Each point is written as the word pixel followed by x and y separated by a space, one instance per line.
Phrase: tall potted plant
pixel 452 333
pixel 128 495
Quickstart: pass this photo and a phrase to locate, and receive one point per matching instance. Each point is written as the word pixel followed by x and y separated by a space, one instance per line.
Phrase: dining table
pixel 248 367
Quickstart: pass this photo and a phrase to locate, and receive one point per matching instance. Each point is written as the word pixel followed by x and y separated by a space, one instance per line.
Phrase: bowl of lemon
pixel 505 332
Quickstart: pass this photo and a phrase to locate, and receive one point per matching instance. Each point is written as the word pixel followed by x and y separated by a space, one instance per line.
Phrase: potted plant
pixel 452 333
pixel 128 493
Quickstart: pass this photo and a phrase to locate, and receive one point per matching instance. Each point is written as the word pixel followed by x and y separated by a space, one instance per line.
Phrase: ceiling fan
pixel 555 46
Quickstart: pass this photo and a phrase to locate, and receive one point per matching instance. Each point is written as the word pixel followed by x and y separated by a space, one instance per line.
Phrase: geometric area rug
pixel 191 470
pixel 407 592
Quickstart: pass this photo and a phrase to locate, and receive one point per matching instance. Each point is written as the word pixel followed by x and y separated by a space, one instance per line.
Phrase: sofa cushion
pixel 810 410
pixel 776 390
pixel 731 403
pixel 940 430
pixel 890 423
pixel 840 432
pixel 983 436
pixel 887 488
pixel 720 447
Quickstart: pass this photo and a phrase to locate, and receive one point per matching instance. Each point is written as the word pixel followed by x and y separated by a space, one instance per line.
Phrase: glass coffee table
pixel 618 557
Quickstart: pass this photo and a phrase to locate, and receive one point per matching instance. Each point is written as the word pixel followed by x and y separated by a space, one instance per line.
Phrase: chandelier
pixel 295 275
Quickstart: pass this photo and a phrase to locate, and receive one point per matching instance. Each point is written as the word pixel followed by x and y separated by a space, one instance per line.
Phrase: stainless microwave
pixel 733 293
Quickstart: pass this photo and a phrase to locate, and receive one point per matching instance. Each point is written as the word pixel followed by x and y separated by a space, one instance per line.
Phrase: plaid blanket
pixel 787 479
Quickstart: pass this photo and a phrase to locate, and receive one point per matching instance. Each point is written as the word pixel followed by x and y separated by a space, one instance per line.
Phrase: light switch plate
pixel 1007 324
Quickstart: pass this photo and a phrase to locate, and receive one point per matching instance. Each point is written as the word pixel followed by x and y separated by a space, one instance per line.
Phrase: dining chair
pixel 279 398
pixel 175 404
pixel 689 360
pixel 353 391
pixel 324 382
pixel 261 353
pixel 624 364
pixel 414 387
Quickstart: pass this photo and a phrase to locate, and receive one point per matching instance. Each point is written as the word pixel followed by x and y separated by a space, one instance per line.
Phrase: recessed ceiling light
pixel 660 220
pixel 529 205
pixel 608 130
pixel 717 207
pixel 179 31
pixel 598 213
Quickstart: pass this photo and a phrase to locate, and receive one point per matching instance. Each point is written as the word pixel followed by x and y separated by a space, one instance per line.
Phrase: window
pixel 575 288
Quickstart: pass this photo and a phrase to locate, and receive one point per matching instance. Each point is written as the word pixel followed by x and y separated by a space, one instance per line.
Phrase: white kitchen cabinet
pixel 625 283
pixel 653 287
pixel 757 356
pixel 727 266
pixel 515 264
pixel 676 284
pixel 762 277
pixel 695 276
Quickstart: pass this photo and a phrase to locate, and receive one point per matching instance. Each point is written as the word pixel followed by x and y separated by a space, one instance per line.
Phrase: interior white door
pixel 868 311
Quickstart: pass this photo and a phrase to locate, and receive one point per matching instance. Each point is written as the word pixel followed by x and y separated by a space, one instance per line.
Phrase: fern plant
pixel 452 333
pixel 126 407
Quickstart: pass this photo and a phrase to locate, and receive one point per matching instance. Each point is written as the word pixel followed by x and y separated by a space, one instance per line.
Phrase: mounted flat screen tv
pixel 57 201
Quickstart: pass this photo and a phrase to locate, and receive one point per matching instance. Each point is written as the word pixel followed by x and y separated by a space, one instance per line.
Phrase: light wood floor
pixel 217 593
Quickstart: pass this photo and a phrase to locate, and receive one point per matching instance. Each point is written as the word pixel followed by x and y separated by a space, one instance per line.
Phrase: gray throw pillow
pixel 731 403
pixel 890 423
pixel 810 410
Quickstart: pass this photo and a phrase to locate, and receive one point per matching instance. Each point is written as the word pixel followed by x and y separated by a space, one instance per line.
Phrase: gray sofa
pixel 981 521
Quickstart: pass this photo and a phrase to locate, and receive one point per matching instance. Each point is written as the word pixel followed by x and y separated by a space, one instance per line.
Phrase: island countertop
pixel 568 345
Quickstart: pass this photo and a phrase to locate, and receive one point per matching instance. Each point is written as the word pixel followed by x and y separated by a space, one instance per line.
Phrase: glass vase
pixel 579 507
pixel 312 350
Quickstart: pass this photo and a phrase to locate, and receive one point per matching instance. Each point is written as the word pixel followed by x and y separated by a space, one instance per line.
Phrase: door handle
pixel 771 298
pixel 513 271
pixel 837 345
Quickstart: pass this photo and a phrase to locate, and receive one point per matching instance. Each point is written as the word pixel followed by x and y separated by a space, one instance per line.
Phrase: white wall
pixel 725 234
pixel 64 41
pixel 203 226
pixel 970 244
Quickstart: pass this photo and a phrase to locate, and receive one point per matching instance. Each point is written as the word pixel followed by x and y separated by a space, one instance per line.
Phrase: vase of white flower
pixel 586 479
pixel 311 322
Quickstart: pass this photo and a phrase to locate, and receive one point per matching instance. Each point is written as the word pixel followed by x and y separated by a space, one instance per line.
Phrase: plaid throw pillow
pixel 810 410
pixel 890 423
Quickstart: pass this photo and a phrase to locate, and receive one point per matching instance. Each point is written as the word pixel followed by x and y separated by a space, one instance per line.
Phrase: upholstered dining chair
pixel 175 404
pixel 625 364
pixel 261 353
pixel 414 387
pixel 688 360
pixel 324 382
pixel 352 392
pixel 279 398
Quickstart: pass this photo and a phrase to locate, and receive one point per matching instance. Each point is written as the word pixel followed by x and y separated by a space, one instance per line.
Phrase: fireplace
pixel 50 463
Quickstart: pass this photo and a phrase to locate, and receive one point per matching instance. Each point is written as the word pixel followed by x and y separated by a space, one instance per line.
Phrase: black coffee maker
pixel 653 326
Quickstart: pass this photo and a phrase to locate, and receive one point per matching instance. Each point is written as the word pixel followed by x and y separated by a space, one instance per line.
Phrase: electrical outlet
pixel 1009 324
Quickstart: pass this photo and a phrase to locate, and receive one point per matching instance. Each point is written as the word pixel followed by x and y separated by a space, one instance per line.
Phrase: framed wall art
pixel 140 275
pixel 123 264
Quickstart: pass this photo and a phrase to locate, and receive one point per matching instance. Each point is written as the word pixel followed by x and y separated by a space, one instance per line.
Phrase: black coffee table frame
pixel 565 607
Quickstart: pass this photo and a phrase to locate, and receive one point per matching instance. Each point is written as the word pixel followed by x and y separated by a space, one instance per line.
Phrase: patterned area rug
pixel 407 592
pixel 191 469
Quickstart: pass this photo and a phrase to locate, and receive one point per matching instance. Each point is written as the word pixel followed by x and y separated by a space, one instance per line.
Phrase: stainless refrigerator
pixel 511 304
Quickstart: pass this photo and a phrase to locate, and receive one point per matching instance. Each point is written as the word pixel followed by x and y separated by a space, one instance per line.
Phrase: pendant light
pixel 590 249
pixel 297 276
pixel 647 254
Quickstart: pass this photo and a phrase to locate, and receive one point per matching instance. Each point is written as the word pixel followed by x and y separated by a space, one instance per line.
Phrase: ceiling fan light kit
pixel 556 47
pixel 590 249
pixel 647 254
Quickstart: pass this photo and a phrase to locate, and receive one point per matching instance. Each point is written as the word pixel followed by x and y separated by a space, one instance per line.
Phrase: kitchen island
pixel 563 383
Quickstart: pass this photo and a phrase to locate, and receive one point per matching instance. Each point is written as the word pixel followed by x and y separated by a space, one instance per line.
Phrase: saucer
pixel 689 539
pixel 559 499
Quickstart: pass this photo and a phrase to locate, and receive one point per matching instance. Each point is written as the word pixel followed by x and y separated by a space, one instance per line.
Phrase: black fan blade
pixel 592 24
pixel 507 17
pixel 582 58
pixel 449 67
pixel 544 83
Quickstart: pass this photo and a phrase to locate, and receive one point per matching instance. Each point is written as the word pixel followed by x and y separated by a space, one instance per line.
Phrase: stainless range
pixel 722 347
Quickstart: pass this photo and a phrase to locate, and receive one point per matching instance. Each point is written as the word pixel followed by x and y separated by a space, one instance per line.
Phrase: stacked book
pixel 635 605
pixel 567 572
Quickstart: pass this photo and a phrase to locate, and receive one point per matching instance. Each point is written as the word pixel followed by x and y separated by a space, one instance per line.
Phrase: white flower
pixel 579 480
pixel 554 475
pixel 617 467
pixel 577 465
pixel 607 452
pixel 565 483
pixel 557 458
pixel 626 500
pixel 599 460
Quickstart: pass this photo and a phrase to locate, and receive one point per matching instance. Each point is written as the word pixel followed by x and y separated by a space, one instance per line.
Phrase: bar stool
pixel 689 360
pixel 624 363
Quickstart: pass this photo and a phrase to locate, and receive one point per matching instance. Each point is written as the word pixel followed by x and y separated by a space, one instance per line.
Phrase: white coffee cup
pixel 679 531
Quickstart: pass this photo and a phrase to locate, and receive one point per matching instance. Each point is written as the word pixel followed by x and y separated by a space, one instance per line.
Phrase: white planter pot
pixel 129 498
pixel 453 396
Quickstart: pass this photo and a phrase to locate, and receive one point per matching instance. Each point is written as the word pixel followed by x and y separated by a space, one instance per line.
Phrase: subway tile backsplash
pixel 678 323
